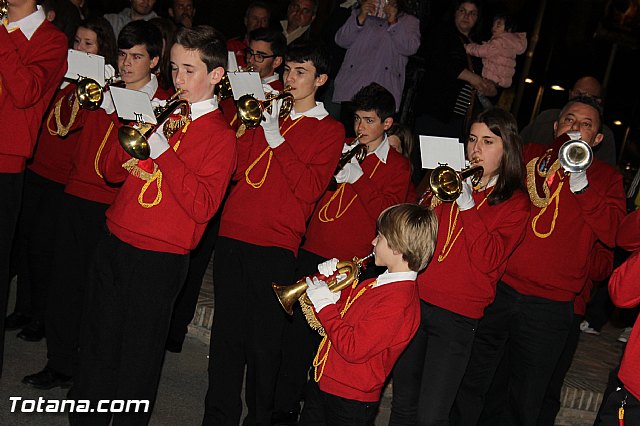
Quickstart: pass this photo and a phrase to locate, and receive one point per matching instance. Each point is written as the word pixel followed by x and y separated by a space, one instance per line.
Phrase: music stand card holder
pixel 133 105
pixel 87 65
pixel 436 151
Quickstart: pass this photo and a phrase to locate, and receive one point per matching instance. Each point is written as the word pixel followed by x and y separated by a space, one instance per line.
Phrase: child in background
pixel 499 53
pixel 368 325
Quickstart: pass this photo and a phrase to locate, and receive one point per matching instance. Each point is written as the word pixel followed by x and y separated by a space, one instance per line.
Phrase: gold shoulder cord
pixel 62 129
pixel 258 184
pixel 540 202
pixel 453 221
pixel 96 161
pixel 132 167
pixel 323 212
pixel 319 361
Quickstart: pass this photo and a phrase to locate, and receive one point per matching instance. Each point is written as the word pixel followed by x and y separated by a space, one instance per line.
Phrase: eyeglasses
pixel 258 57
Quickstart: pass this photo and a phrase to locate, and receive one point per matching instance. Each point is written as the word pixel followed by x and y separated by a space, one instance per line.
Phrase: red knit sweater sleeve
pixel 308 180
pixel 489 250
pixel 628 236
pixel 200 191
pixel 378 197
pixel 27 79
pixel 600 262
pixel 603 207
pixel 623 285
pixel 359 342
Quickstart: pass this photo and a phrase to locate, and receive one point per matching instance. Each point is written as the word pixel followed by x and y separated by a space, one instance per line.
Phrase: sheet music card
pixel 81 64
pixel 133 105
pixel 232 62
pixel 436 150
pixel 243 83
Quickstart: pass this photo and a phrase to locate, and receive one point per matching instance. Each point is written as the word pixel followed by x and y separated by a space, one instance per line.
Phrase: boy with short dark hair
pixel 368 325
pixel 350 211
pixel 284 166
pixel 157 218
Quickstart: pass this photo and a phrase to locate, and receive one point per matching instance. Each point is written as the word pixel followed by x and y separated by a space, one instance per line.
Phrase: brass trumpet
pixel 90 94
pixel 288 295
pixel 575 156
pixel 134 140
pixel 359 152
pixel 4 9
pixel 446 184
pixel 250 109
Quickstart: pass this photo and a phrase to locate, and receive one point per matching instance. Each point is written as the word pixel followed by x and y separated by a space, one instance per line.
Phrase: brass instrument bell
pixel 250 109
pixel 446 183
pixel 89 93
pixel 575 156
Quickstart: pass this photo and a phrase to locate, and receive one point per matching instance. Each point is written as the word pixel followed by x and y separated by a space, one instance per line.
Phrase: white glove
pixel 327 268
pixel 158 144
pixel 271 125
pixel 351 172
pixel 109 72
pixel 155 103
pixel 107 103
pixel 578 181
pixel 465 200
pixel 320 295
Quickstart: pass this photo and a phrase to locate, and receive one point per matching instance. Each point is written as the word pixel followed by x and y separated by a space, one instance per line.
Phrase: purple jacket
pixel 376 52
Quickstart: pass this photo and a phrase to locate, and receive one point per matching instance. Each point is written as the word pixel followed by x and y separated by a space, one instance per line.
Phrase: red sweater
pixel 295 174
pixel 464 281
pixel 30 72
pixel 557 267
pixel 367 341
pixel 600 267
pixel 53 156
pixel 625 293
pixel 193 183
pixel 344 221
pixel 627 236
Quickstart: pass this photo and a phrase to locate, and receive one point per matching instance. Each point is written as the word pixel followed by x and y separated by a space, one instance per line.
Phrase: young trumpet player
pixel 80 224
pixel 476 234
pixel 284 166
pixel 350 211
pixel 581 208
pixel 369 324
pixel 157 218
pixel 33 62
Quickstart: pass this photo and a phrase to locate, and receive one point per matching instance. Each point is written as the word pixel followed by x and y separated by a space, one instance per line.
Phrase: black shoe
pixel 16 320
pixel 48 379
pixel 284 418
pixel 34 332
pixel 173 345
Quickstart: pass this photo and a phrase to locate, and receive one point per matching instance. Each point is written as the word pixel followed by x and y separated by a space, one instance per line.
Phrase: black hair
pixel 511 169
pixel 141 32
pixel 258 5
pixel 375 97
pixel 276 39
pixel 105 38
pixel 509 23
pixel 209 42
pixel 587 100
pixel 301 51
pixel 478 4
pixel 168 29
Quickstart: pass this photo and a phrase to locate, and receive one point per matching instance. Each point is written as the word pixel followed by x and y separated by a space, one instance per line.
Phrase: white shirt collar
pixel 291 36
pixel 29 24
pixel 348 4
pixel 318 112
pixel 151 87
pixel 203 107
pixel 269 79
pixel 382 151
pixel 392 277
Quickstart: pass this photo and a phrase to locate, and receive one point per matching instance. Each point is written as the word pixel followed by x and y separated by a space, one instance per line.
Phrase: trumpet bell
pixel 446 183
pixel 249 111
pixel 575 156
pixel 89 94
pixel 134 142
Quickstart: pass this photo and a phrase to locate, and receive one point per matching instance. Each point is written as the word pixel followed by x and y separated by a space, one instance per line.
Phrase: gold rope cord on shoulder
pixel 132 167
pixel 534 223
pixel 453 221
pixel 258 184
pixel 62 129
pixel 320 361
pixel 543 203
pixel 96 161
pixel 339 193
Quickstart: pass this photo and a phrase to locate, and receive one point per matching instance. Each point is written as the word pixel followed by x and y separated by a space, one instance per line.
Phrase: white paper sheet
pixel 436 150
pixel 81 64
pixel 133 105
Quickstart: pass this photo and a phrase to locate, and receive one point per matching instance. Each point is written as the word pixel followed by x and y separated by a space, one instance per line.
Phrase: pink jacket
pixel 499 56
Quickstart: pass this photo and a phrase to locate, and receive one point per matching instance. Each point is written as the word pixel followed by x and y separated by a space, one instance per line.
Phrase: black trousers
pixel 79 228
pixel 428 373
pixel 11 198
pixel 324 409
pixel 187 300
pixel 247 330
pixel 608 415
pixel 35 240
pixel 534 331
pixel 299 345
pixel 129 299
